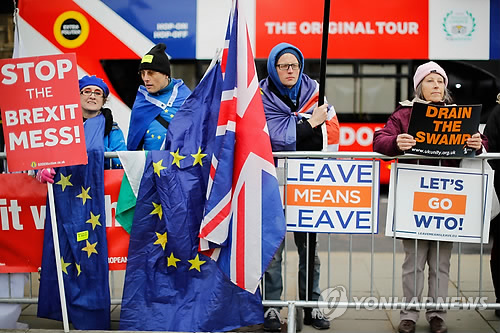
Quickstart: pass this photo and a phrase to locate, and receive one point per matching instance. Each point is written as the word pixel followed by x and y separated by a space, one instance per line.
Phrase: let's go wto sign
pixel 332 196
pixel 439 203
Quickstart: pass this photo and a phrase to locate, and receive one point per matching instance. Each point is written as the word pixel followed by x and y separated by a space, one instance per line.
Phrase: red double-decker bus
pixel 374 47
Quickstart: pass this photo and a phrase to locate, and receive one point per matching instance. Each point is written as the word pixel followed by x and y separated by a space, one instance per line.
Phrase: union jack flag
pixel 243 211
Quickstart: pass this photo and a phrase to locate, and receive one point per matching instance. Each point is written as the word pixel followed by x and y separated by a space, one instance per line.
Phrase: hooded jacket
pixel 287 122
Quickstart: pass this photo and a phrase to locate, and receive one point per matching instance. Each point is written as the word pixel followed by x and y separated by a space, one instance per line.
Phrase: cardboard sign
pixel 332 196
pixel 443 130
pixel 439 203
pixel 22 221
pixel 42 119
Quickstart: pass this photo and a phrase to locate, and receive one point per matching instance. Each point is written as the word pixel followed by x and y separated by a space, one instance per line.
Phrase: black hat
pixel 156 59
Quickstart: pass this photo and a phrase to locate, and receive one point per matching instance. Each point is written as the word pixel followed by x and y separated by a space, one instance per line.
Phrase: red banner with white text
pixel 358 29
pixel 22 216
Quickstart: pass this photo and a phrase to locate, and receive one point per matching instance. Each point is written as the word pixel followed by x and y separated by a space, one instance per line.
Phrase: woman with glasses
pixel 79 205
pixel 295 122
pixel 93 95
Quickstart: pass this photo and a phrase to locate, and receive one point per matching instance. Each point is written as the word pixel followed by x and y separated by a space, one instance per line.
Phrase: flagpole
pixel 57 254
pixel 324 49
pixel 311 253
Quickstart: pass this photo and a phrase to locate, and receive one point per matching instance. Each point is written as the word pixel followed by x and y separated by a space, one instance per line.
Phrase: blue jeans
pixel 273 284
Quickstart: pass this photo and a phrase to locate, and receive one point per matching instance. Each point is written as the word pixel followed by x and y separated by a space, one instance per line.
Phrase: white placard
pixel 459 29
pixel 332 196
pixel 439 203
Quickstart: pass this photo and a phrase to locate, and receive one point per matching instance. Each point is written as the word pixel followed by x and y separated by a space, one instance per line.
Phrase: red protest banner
pixel 22 220
pixel 42 119
pixel 22 213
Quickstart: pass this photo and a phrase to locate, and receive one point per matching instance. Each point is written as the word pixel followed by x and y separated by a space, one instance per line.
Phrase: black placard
pixel 443 130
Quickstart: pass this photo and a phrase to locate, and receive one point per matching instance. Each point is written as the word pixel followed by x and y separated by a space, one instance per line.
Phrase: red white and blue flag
pixel 243 212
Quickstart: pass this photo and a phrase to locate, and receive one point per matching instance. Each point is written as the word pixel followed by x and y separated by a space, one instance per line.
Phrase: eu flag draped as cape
pixel 79 204
pixel 169 285
pixel 147 107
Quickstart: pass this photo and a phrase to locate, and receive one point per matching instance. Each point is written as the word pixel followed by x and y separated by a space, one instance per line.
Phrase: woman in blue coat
pixel 93 95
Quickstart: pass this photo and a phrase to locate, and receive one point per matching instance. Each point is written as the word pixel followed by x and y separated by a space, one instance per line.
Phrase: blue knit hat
pixel 93 81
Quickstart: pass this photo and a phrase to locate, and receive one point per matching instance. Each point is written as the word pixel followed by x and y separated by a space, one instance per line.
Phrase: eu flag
pixel 169 285
pixel 79 204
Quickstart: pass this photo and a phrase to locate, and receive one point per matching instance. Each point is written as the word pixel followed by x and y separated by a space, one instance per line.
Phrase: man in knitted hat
pixel 156 102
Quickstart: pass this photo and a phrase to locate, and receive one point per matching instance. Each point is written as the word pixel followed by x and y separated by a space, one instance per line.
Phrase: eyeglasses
pixel 88 92
pixel 285 67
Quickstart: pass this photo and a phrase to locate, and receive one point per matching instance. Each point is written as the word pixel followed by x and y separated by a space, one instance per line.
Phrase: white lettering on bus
pixel 343 28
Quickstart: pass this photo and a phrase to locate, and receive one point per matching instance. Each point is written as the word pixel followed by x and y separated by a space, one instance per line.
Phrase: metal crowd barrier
pixel 389 301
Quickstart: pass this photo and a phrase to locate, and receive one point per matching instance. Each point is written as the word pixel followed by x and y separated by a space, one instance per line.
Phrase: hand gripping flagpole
pixel 57 254
pixel 311 245
pixel 324 49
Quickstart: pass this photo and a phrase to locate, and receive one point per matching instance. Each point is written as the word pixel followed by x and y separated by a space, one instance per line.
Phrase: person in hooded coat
pixel 295 123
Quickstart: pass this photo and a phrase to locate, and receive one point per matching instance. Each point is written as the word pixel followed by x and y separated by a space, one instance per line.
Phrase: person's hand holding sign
pixel 474 141
pixel 46 175
pixel 405 141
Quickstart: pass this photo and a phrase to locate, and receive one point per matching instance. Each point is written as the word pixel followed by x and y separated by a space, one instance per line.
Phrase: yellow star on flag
pixel 162 239
pixel 172 261
pixel 157 210
pixel 64 182
pixel 64 265
pixel 94 220
pixel 158 167
pixel 198 156
pixel 196 263
pixel 84 195
pixel 90 248
pixel 177 158
pixel 78 268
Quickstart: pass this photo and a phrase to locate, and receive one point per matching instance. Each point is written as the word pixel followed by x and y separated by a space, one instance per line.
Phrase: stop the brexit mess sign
pixel 439 203
pixel 41 115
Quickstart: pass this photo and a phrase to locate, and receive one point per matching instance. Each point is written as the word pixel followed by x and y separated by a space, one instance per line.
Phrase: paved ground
pixel 354 320
pixel 468 274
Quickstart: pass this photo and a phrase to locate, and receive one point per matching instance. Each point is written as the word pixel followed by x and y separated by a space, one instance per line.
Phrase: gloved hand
pixel 46 175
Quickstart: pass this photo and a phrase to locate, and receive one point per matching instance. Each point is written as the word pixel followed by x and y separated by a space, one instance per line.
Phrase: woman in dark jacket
pixel 492 133
pixel 430 82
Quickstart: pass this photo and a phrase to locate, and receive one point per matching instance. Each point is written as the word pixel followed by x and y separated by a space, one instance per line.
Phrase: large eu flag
pixel 79 204
pixel 169 285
